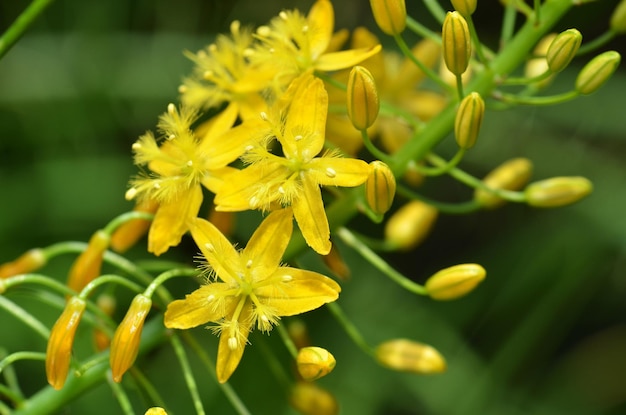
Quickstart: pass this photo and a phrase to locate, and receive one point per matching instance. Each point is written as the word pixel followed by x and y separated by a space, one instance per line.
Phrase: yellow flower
pixel 298 123
pixel 185 161
pixel 250 287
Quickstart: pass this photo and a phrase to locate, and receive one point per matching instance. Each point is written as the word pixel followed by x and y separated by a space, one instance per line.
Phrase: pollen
pixel 263 31
pixel 330 172
pixel 298 137
pixel 283 15
pixel 189 163
pixel 254 201
pixel 209 247
pixel 136 146
pixel 287 278
pixel 210 298
pixel 249 264
pixel 171 109
pixel 232 343
pixel 130 193
pixel 263 115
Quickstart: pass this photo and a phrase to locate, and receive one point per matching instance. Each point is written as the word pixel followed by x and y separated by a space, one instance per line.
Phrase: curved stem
pixel 25 317
pixel 187 374
pixel 126 217
pixel 450 208
pixel 289 344
pixel 21 24
pixel 350 328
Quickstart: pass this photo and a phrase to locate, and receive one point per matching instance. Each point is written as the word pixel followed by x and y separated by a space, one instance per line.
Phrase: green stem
pixel 177 272
pixel 21 24
pixel 120 394
pixel 477 45
pixel 422 30
pixel 289 344
pixel 508 24
pixel 108 279
pixel 350 328
pixel 25 317
pixel 527 81
pixel 596 43
pixel 372 148
pixel 14 357
pixel 436 10
pixel 429 72
pixel 442 168
pixel 126 217
pixel 534 100
pixel 38 279
pixel 179 350
pixel 449 208
pixel 148 387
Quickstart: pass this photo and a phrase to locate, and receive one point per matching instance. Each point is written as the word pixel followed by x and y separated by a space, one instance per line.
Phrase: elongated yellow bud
pixel 597 72
pixel 513 174
pixel 465 7
pixel 29 261
pixel 390 15
pixel 469 118
pixel 407 227
pixel 89 263
pixel 454 282
pixel 156 411
pixel 310 399
pixel 314 363
pixel 362 99
pixel 107 305
pixel 125 344
pixel 127 234
pixel 563 49
pixel 409 356
pixel 618 18
pixel 334 261
pixel 457 47
pixel 557 191
pixel 380 187
pixel 59 349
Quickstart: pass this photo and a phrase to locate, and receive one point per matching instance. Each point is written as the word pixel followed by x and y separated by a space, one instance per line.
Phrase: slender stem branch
pixel 289 344
pixel 350 328
pixel 21 24
pixel 596 43
pixel 14 357
pixel 450 208
pixel 442 168
pixel 534 100
pixel 508 24
pixel 107 279
pixel 422 30
pixel 25 317
pixel 372 148
pixel 435 9
pixel 120 394
pixel 179 350
pixel 126 217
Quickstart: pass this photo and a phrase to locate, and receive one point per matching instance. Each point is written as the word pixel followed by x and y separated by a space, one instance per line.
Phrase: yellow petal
pixel 219 124
pixel 170 221
pixel 214 180
pixel 222 149
pixel 300 291
pixel 321 22
pixel 268 243
pixel 217 250
pixel 253 187
pixel 334 171
pixel 228 357
pixel 308 209
pixel 345 58
pixel 207 303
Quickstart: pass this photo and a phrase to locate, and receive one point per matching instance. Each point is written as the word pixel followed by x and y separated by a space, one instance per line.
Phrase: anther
pixel 287 278
pixel 182 89
pixel 298 137
pixel 249 264
pixel 136 146
pixel 232 343
pixel 209 247
pixel 171 109
pixel 281 190
pixel 210 298
pixel 234 26
pixel 156 185
pixel 263 31
pixel 130 193
pixel 253 201
pixel 249 147
pixel 190 163
pixel 171 137
pixel 264 115
pixel 305 29
pixel 283 15
pixel 330 172
pixel 212 48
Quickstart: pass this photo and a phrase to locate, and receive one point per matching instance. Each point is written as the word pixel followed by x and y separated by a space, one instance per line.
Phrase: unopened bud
pixel 538 66
pixel 407 227
pixel 454 282
pixel 513 174
pixel 125 344
pixel 298 333
pixel 618 18
pixel 59 349
pixel 224 221
pixel 563 49
pixel 107 304
pixel 89 263
pixel 408 356
pixel 310 399
pixel 156 411
pixel 29 261
pixel 314 363
pixel 128 233
pixel 380 187
pixel 595 73
pixel 469 118
pixel 557 191
pixel 456 40
pixel 390 15
pixel 465 7
pixel 362 99
pixel 336 264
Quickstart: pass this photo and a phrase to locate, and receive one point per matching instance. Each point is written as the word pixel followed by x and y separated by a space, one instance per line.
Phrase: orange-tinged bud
pixel 314 363
pixel 454 282
pixel 336 264
pixel 59 349
pixel 563 49
pixel 224 221
pixel 362 99
pixel 88 264
pixel 390 15
pixel 407 227
pixel 595 73
pixel 457 47
pixel 106 303
pixel 557 191
pixel 618 18
pixel 465 7
pixel 469 118
pixel 409 356
pixel 380 187
pixel 156 411
pixel 513 174
pixel 30 261
pixel 310 399
pixel 125 344
pixel 127 234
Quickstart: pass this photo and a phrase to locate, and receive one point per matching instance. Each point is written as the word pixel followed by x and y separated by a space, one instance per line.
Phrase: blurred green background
pixel 544 334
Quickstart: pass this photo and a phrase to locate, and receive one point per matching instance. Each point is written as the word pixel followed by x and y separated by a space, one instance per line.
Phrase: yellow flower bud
pixel 408 356
pixel 538 66
pixel 298 333
pixel 465 7
pixel 125 344
pixel 557 191
pixel 469 118
pixel 595 73
pixel 107 304
pixel 454 282
pixel 336 264
pixel 310 399
pixel 59 349
pixel 407 227
pixel 314 363
pixel 224 221
pixel 456 40
pixel 563 49
pixel 390 15
pixel 29 261
pixel 380 187
pixel 88 264
pixel 362 99
pixel 618 18
pixel 156 411
pixel 510 175
pixel 127 234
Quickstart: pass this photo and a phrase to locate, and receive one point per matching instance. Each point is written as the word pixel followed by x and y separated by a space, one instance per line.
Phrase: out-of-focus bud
pixel 309 399
pixel 390 15
pixel 298 333
pixel 59 349
pixel 595 73
pixel 89 263
pixel 106 303
pixel 408 356
pixel 29 261
pixel 513 174
pixel 125 344
pixel 407 227
pixel 618 18
pixel 156 411
pixel 380 187
pixel 538 66
pixel 127 234
pixel 454 282
pixel 362 99
pixel 224 221
pixel 457 47
pixel 465 7
pixel 557 191
pixel 336 264
pixel 314 363
pixel 563 49
pixel 469 118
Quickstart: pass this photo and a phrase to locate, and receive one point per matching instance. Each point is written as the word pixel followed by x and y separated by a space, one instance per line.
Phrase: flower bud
pixel 390 15
pixel 156 411
pixel 380 187
pixel 298 333
pixel 563 49
pixel 557 191
pixel 511 175
pixel 407 227
pixel 107 304
pixel 408 356
pixel 595 73
pixel 224 221
pixel 618 18
pixel 336 264
pixel 465 7
pixel 538 66
pixel 362 98
pixel 456 40
pixel 59 349
pixel 88 264
pixel 30 261
pixel 314 363
pixel 469 118
pixel 309 399
pixel 454 282
pixel 127 234
pixel 125 344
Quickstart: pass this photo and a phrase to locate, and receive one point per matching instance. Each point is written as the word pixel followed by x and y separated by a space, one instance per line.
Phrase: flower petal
pixel 268 243
pixel 345 58
pixel 228 357
pixel 321 22
pixel 336 171
pixel 308 209
pixel 208 303
pixel 218 251
pixel 253 187
pixel 219 124
pixel 222 149
pixel 214 179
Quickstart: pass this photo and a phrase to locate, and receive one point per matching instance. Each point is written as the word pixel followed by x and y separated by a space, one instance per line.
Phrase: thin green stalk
pixel 4 409
pixel 537 11
pixel 10 376
pixel 535 100
pixel 177 272
pixel 372 148
pixel 121 395
pixel 478 47
pixel 459 87
pixel 25 317
pixel 38 279
pixel 508 24
pixel 274 364
pixel 148 387
pixel 14 357
pixel 449 208
pixel 422 30
pixel 597 43
pixel 443 168
pixel 436 10
pixel 21 24
pixel 126 217
pixel 109 279
pixel 289 344
pixel 187 374
pixel 350 328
